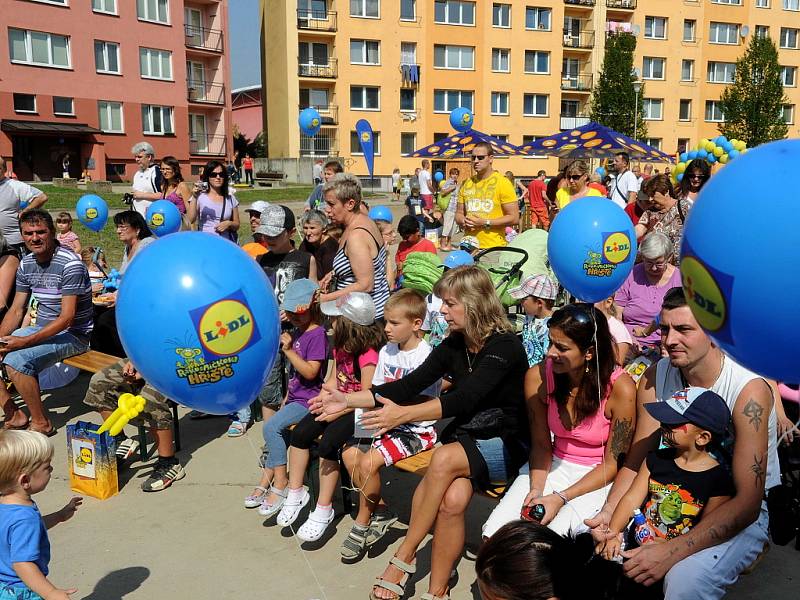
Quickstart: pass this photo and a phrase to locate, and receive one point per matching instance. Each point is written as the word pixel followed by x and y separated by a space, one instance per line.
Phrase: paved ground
pixel 195 540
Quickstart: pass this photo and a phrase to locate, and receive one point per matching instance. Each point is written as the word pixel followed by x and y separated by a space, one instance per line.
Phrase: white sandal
pixel 254 500
pixel 291 508
pixel 314 527
pixel 270 510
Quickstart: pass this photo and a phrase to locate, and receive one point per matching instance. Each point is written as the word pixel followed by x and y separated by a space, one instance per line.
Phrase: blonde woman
pixel 485 443
pixel 577 177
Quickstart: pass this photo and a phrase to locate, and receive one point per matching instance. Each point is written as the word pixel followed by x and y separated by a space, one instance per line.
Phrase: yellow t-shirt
pixel 484 200
pixel 563 196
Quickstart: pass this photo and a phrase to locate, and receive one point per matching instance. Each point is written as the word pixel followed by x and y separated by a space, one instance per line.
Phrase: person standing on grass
pixel 147 180
pixel 247 165
pixel 13 194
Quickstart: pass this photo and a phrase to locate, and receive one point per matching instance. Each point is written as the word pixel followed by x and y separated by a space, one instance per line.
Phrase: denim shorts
pixel 18 593
pixel 33 360
pixel 497 458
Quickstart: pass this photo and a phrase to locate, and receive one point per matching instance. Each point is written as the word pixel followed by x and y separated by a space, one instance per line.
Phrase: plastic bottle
pixel 641 530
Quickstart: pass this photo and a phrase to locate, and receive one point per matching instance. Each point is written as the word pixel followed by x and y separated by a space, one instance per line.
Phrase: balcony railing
pixel 329 113
pixel 587 3
pixel 323 144
pixel 207 145
pixel 205 93
pixel 583 40
pixel 316 20
pixel 621 4
pixel 328 70
pixel 203 38
pixel 576 83
pixel 573 122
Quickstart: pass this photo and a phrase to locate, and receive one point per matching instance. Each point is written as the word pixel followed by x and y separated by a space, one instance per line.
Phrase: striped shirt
pixel 63 275
pixel 343 271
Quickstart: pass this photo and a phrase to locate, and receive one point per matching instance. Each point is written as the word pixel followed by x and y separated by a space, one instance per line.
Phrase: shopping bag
pixel 92 461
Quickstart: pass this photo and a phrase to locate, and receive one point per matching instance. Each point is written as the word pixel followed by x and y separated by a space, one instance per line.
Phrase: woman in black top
pixel 484 444
pixel 318 243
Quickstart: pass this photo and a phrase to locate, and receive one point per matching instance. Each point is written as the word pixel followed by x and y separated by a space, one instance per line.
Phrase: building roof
pixel 15 126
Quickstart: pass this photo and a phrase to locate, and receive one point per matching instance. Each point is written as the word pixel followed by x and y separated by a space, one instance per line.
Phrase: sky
pixel 245 38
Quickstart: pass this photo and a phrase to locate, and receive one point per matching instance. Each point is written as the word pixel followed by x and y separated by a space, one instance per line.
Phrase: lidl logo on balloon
pixel 91 213
pixel 157 220
pixel 365 136
pixel 314 122
pixel 703 294
pixel 616 249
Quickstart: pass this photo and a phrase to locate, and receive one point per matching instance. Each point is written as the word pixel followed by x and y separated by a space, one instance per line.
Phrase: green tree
pixel 243 145
pixel 613 98
pixel 753 104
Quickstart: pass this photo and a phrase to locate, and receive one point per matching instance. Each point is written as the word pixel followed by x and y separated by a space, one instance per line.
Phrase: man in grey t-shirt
pixel 13 194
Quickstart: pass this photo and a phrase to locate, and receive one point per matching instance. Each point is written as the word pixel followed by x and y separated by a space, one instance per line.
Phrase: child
pixel 356 340
pixel 406 350
pixel 678 485
pixel 389 239
pixel 433 225
pixel 622 337
pixel 409 231
pixel 65 236
pixel 307 352
pixel 538 293
pixel 414 203
pixel 25 549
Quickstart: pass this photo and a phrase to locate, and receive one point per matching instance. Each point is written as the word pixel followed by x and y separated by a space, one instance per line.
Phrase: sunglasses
pixel 695 176
pixel 216 174
pixel 574 177
pixel 479 157
pixel 579 312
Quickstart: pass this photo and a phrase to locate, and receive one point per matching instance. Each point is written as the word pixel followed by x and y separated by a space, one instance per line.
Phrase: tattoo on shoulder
pixel 759 469
pixel 755 412
pixel 621 436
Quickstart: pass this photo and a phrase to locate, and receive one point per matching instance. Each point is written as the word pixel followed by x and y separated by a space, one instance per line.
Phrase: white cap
pixel 258 206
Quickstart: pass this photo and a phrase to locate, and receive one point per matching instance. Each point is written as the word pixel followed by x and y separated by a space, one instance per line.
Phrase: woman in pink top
pixel 582 413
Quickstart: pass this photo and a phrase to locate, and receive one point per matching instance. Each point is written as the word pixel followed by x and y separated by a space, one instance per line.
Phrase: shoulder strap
pixel 374 239
pixel 681 214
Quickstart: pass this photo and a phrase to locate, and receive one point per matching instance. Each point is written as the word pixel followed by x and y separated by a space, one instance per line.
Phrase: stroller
pixel 504 266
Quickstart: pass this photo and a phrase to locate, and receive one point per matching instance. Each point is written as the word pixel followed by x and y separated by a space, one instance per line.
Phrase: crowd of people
pixel 371 372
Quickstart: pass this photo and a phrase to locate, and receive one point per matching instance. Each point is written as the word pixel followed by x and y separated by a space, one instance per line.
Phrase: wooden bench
pixel 93 362
pixel 419 463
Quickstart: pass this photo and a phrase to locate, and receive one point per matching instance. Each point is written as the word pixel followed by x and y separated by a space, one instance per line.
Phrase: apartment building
pixel 525 67
pixel 89 78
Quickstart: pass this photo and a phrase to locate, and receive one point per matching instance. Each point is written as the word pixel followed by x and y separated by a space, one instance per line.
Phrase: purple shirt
pixel 641 301
pixel 208 212
pixel 310 345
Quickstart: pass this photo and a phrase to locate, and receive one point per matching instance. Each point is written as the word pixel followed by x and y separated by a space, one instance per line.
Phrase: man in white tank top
pixel 708 559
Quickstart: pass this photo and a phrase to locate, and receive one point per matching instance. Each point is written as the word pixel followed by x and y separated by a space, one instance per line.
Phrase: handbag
pixel 92 461
pixel 231 235
pixel 486 424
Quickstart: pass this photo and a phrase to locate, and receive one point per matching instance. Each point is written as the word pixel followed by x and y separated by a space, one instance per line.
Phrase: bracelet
pixel 563 497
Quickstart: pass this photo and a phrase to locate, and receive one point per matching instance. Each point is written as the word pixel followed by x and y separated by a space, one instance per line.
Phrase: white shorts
pixel 569 519
pixel 449 227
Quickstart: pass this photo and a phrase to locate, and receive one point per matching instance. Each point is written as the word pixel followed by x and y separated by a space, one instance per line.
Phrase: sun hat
pixel 538 286
pixel 356 306
pixel 298 295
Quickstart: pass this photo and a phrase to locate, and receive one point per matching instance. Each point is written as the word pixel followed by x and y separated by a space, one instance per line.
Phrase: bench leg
pixel 346 483
pixel 143 442
pixel 176 427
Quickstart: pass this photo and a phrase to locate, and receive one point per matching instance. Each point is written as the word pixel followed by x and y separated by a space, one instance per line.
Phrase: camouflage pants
pixel 108 385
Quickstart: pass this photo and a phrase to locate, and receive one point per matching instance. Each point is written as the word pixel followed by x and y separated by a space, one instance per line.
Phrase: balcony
pixel 580 3
pixel 582 40
pixel 329 113
pixel 621 4
pixel 316 20
pixel 326 71
pixel 203 38
pixel 573 122
pixel 576 83
pixel 205 144
pixel 323 144
pixel 205 93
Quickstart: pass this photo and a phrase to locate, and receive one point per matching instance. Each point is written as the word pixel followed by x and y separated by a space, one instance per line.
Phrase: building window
pixel 105 6
pixel 500 60
pixel 157 120
pixel 106 57
pixel 538 18
pixel 454 12
pixel 454 57
pixel 365 8
pixel 689 26
pixel 653 68
pixel 499 103
pixel 653 109
pixel 408 53
pixel 408 99
pixel 155 64
pixel 683 144
pixel 503 137
pixel 63 106
pixel 714 112
pixel 789 76
pixel 687 70
pixel 408 10
pixel 721 72
pixel 448 100
pixel 355 143
pixel 791 5
pixel 685 110
pixel 156 11
pixel 501 15
pixel 788 114
pixel 724 33
pixel 789 38
pixel 363 97
pixel 408 143
pixel 314 97
pixel 25 103
pixel 762 31
pixel 535 105
pixel 365 52
pixel 537 61
pixel 653 142
pixel 762 3
pixel 529 139
pixel 38 48
pixel 655 28
pixel 735 2
pixel 110 114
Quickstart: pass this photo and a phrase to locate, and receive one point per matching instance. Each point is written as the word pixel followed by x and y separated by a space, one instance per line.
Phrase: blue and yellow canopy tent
pixel 459 145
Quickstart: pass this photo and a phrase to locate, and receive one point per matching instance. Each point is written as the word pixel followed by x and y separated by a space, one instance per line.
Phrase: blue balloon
pixel 458 258
pixel 734 258
pixel 692 155
pixel 381 213
pixel 163 217
pixel 438 176
pixel 711 158
pixel 461 119
pixel 732 154
pixel 702 154
pixel 92 211
pixel 684 156
pixel 592 248
pixel 310 121
pixel 198 318
pixel 727 146
pixel 600 171
pixel 23 204
pixel 679 177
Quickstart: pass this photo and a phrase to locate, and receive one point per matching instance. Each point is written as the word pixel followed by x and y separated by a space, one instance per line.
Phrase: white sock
pixel 323 511
pixel 294 495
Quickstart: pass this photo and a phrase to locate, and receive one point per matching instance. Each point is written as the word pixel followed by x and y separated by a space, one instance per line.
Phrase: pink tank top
pixel 584 444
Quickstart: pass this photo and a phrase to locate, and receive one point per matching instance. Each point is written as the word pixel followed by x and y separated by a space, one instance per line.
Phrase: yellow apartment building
pixel 525 67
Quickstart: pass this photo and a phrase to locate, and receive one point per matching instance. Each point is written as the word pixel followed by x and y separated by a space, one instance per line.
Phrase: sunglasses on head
pixel 580 313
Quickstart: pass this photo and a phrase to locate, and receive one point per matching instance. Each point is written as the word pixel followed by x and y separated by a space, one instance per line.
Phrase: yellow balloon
pixel 718 151
pixel 703 143
pixel 741 145
pixel 723 159
pixel 680 168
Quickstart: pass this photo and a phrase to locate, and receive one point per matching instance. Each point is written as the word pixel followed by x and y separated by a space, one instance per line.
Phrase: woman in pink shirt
pixel 582 414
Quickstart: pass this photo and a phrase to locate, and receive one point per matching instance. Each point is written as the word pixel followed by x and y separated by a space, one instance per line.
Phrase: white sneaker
pixel 314 528
pixel 292 507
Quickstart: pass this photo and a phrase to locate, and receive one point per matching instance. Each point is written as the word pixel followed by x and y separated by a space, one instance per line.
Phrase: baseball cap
pixel 695 405
pixel 469 243
pixel 259 206
pixel 298 295
pixel 538 286
pixel 458 258
pixel 275 220
pixel 356 306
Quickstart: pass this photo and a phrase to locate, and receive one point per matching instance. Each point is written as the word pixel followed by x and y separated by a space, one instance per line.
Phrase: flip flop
pixel 49 433
pixel 7 427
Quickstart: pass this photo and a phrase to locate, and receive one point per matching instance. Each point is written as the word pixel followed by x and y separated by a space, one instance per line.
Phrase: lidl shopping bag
pixel 92 461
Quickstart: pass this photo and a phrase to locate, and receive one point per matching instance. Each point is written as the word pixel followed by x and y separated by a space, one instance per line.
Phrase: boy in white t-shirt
pixel 406 350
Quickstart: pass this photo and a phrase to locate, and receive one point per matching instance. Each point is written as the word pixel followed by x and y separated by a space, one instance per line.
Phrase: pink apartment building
pixel 88 79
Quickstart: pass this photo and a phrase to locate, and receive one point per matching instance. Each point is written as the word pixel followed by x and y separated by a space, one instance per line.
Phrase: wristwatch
pixel 487 224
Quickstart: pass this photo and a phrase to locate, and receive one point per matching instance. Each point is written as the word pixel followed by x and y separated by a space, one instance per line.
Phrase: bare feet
pixel 16 420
